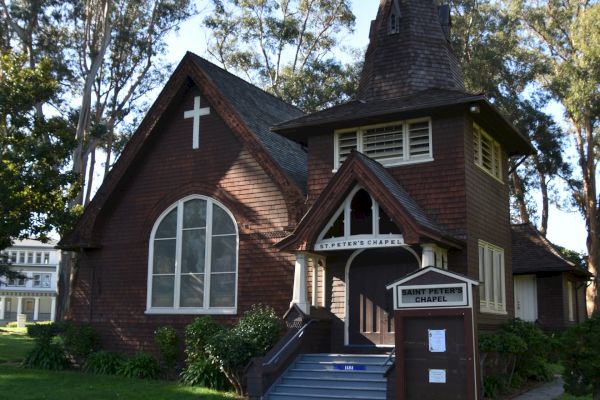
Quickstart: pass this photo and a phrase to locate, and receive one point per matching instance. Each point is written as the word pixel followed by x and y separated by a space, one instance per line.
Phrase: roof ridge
pixel 251 85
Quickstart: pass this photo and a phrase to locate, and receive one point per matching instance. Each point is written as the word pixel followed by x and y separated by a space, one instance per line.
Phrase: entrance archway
pixel 369 306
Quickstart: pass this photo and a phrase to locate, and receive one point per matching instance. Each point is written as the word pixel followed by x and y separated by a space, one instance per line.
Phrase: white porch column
pixel 428 258
pixel 36 309
pixel 299 296
pixel 2 306
pixel 19 305
pixel 53 309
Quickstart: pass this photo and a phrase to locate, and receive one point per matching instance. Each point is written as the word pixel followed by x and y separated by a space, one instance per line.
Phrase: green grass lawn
pixel 29 384
pixel 14 344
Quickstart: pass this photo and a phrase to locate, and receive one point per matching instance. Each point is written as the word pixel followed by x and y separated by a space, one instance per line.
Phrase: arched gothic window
pixel 193 259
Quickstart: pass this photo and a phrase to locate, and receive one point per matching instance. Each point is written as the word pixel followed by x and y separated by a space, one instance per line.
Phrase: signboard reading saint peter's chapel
pixel 444 295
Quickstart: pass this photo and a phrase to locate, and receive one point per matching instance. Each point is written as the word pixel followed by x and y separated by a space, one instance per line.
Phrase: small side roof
pixel 532 253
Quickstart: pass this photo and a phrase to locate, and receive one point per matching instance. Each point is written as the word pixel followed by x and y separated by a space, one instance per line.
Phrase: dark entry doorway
pixel 370 305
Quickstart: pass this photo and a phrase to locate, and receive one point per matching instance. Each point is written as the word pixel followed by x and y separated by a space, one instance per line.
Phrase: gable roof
pixel 389 194
pixel 531 253
pixel 414 57
pixel 246 110
pixel 260 110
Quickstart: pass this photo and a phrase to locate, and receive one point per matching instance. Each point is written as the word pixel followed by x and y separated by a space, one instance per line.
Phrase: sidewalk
pixel 548 391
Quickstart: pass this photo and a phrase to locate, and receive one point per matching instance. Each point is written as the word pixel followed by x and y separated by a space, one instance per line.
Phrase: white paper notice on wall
pixel 437 340
pixel 437 376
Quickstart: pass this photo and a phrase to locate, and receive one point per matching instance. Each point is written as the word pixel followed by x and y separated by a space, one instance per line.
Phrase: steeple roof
pixel 409 52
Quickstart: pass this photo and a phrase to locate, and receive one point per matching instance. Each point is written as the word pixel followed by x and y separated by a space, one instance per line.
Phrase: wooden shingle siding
pixel 111 283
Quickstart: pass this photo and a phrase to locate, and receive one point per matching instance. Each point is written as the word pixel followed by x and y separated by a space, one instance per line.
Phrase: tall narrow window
pixel 492 291
pixel 193 263
pixel 487 152
pixel 570 300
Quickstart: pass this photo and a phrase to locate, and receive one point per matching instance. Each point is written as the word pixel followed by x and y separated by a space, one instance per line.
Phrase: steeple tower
pixel 409 51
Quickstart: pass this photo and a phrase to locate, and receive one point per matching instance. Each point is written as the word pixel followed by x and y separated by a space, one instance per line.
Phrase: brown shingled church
pixel 225 197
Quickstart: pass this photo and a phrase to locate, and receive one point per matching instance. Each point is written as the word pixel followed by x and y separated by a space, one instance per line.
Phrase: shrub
pixel 47 356
pixel 203 372
pixel 141 365
pixel 254 334
pixel 580 347
pixel 79 339
pixel 167 341
pixel 199 370
pixel 42 333
pixel 104 363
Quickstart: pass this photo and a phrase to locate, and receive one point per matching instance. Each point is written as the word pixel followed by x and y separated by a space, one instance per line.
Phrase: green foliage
pixel 517 352
pixel 35 152
pixel 42 333
pixel 49 356
pixel 286 47
pixel 104 363
pixel 205 373
pixel 581 357
pixel 141 365
pixel 167 341
pixel 197 335
pixel 199 369
pixel 80 339
pixel 253 335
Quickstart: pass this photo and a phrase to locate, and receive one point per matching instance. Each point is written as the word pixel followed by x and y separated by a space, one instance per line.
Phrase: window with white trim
pixel 487 153
pixel 492 286
pixel 391 144
pixel 193 259
pixel 570 300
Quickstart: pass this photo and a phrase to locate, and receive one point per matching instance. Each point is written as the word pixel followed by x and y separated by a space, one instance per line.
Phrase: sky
pixel 566 229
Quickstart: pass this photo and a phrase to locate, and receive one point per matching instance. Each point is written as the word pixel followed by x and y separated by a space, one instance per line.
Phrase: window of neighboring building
pixel 37 280
pixel 46 258
pixel 38 258
pixel 391 144
pixel 488 155
pixel 13 257
pixel 46 280
pixel 193 259
pixel 492 289
pixel 29 257
pixel 21 257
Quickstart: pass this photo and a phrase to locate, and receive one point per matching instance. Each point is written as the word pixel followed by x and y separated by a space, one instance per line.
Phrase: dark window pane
pixel 168 226
pixel 162 290
pixel 361 214
pixel 337 229
pixel 192 290
pixel 194 214
pixel 222 290
pixel 164 256
pixel 192 250
pixel 223 253
pixel 386 225
pixel 222 222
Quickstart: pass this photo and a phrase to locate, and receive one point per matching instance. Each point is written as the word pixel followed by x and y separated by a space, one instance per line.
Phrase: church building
pixel 226 197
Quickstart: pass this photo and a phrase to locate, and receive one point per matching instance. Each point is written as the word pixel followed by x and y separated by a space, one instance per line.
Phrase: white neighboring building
pixel 36 295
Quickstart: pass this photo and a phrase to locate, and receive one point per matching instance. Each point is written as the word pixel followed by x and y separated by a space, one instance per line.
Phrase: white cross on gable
pixel 196 113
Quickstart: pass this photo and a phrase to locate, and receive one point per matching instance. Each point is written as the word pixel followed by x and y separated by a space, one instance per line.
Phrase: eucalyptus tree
pixel 565 35
pixel 286 47
pixel 486 40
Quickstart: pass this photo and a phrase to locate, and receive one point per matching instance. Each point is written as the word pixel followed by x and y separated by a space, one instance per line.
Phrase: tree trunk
pixel 545 202
pixel 520 196
pixel 90 179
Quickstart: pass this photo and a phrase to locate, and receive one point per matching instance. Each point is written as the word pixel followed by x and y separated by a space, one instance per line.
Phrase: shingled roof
pixel 260 110
pixel 358 169
pixel 408 52
pixel 533 253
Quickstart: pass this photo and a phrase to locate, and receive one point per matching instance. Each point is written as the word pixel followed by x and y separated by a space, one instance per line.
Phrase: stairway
pixel 332 376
